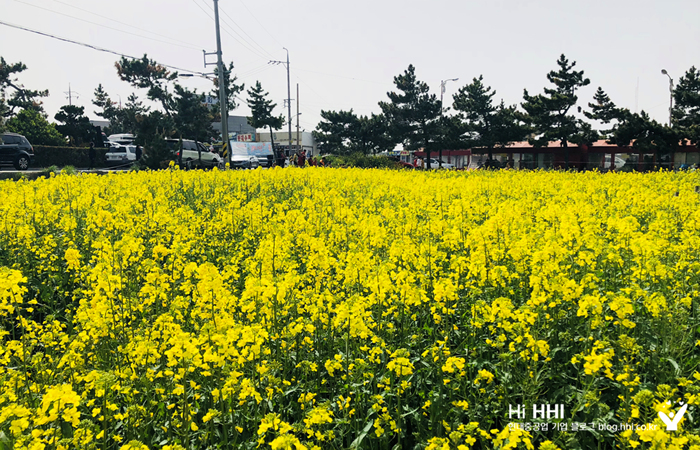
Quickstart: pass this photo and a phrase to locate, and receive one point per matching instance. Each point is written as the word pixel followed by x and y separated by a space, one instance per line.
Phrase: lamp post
pixel 442 91
pixel 670 87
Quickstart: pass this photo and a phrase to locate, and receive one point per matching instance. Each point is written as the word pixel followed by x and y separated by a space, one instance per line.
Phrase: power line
pixel 252 73
pixel 340 76
pixel 241 28
pixel 103 26
pixel 126 24
pixel 203 10
pixel 260 23
pixel 243 44
pixel 93 47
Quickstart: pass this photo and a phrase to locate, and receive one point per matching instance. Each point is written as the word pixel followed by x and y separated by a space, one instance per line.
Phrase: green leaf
pixel 356 443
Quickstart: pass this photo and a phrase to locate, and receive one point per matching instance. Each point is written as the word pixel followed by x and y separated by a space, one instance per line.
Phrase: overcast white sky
pixel 345 54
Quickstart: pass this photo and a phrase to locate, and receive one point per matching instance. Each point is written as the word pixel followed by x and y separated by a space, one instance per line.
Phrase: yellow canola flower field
pixel 341 308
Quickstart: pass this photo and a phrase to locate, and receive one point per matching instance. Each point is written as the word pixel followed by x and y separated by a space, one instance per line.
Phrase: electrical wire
pixel 226 28
pixel 241 28
pixel 254 69
pixel 126 24
pixel 253 73
pixel 203 10
pixel 260 23
pixel 339 76
pixel 102 26
pixel 94 47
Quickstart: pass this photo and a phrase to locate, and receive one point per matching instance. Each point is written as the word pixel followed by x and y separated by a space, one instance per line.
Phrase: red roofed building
pixel 600 155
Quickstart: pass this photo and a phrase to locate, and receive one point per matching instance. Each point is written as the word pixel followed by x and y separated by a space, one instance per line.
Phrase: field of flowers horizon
pixel 347 308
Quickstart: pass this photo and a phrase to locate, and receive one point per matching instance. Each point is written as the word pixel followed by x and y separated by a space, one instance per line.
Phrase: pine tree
pixel 484 125
pixel 686 111
pixel 413 114
pixel 646 135
pixel 21 98
pixel 145 73
pixel 549 112
pixel 133 111
pixel 603 110
pixel 261 109
pixel 370 135
pixel 232 89
pixel 335 131
pixel 109 110
pixel 75 125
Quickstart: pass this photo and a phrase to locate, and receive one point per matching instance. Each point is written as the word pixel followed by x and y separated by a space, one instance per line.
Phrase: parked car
pixel 119 154
pixel 15 149
pixel 190 154
pixel 435 164
pixel 242 159
pixel 619 162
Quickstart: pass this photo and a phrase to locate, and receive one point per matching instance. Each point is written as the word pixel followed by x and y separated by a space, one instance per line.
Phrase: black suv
pixel 15 149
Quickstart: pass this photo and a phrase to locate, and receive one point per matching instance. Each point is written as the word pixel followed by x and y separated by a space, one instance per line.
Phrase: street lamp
pixel 442 91
pixel 670 87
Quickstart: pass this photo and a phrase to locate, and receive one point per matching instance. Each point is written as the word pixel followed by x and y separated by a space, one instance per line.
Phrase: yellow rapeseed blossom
pixel 333 308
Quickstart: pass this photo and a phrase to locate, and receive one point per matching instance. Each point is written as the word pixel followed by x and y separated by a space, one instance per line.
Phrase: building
pixel 461 159
pixel 237 125
pixel 598 155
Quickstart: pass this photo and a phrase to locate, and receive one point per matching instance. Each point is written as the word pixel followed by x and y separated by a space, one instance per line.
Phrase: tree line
pixel 416 119
pixel 411 116
pixel 180 112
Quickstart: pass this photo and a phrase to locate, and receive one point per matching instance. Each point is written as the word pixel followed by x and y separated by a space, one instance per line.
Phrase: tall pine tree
pixel 335 131
pixel 603 110
pixel 261 109
pixel 108 110
pixel 232 89
pixel 484 125
pixel 413 114
pixel 549 113
pixel 686 111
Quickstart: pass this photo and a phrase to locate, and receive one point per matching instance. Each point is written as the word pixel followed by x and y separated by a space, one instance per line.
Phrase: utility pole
pixel 69 95
pixel 289 103
pixel 222 85
pixel 289 98
pixel 298 141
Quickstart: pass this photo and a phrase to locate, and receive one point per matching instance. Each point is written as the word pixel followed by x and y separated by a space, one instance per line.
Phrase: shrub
pixel 45 156
pixel 362 161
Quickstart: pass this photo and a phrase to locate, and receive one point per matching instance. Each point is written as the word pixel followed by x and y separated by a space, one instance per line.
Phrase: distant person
pixel 302 158
pixel 92 154
pixel 138 152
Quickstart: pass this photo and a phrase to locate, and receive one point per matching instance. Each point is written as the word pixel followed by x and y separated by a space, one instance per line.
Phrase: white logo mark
pixel 671 420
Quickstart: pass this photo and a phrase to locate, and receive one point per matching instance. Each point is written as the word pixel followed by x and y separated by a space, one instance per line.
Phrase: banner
pixel 252 148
